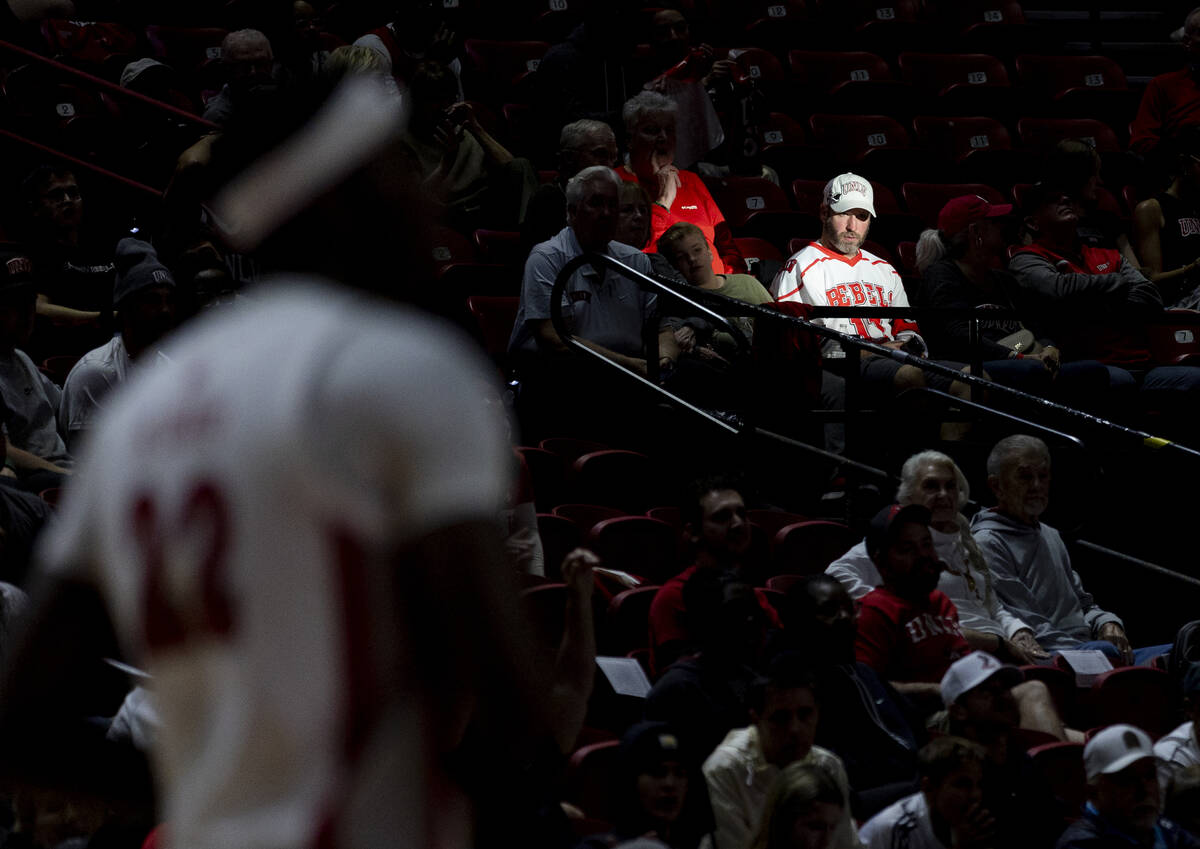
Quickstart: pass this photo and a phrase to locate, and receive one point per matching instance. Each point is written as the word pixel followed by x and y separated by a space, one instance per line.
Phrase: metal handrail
pixel 1139 563
pixel 110 87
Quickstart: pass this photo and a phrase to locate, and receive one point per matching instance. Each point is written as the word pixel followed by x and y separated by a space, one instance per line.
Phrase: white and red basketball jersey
pixel 232 507
pixel 818 276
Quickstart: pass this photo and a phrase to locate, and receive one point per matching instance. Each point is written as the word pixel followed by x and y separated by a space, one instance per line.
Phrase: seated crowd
pixel 895 700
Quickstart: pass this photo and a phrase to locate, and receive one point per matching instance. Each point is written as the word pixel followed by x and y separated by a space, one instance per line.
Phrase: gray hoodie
pixel 1032 576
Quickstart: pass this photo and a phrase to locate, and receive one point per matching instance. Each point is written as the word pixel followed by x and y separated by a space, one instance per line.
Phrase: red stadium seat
pixel 1040 135
pixel 756 64
pixel 626 625
pixel 195 52
pixel 1081 86
pixel 673 516
pixel 1176 344
pixel 876 146
pixel 495 317
pixel 503 70
pixel 570 448
pixel 502 247
pixel 753 248
pixel 447 246
pixel 547 473
pixel 774 23
pixel 593 774
pixel 1059 682
pixel 614 478
pixel 850 81
pixel 772 520
pixel 783 583
pixel 638 545
pixel 980 147
pixel 781 129
pixel 1061 765
pixel 993 26
pixel 961 83
pixel 1139 695
pixel 459 280
pixel 926 200
pixel 585 516
pixel 740 198
pixel 906 252
pixel 559 536
pixel 806 548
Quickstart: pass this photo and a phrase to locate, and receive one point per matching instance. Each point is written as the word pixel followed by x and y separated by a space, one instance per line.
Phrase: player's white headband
pixel 359 119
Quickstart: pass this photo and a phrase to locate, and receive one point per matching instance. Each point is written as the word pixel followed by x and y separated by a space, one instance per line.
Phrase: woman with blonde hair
pixel 803 810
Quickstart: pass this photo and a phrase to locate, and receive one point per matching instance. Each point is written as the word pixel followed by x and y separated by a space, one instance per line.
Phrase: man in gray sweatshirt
pixel 1031 569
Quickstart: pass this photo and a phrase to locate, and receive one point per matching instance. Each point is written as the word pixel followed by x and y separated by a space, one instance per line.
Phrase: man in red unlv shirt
pixel 908 629
pixel 835 271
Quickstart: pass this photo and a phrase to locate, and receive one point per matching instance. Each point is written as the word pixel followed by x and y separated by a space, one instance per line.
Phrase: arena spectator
pixel 1180 750
pixel 28 399
pixel 74 270
pixel 908 630
pixel 835 271
pixel 592 72
pixel 962 263
pixel 874 730
pixel 1031 568
pixel 248 64
pixel 657 791
pixel 581 144
pixel 1074 166
pixel 1090 299
pixel 1167 226
pixel 1172 100
pixel 714 518
pixel 934 481
pixel 144 300
pixel 705 694
pixel 741 771
pixel 417 33
pixel 1124 803
pixel 804 810
pixel 678 195
pixel 475 179
pixel 948 813
pixel 606 311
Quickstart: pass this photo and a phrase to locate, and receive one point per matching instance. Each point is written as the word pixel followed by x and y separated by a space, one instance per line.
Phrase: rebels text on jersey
pixel 818 276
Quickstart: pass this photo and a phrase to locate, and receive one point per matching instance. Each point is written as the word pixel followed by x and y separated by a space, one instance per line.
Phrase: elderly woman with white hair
pixel 934 481
pixel 676 195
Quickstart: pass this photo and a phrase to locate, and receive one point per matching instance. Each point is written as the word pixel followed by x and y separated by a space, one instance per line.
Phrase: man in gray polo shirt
pixel 604 310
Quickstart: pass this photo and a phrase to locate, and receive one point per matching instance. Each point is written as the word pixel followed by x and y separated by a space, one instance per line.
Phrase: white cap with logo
pixel 967 673
pixel 849 191
pixel 1115 748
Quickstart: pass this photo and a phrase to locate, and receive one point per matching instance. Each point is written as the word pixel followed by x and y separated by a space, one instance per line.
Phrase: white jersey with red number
pixel 818 276
pixel 233 508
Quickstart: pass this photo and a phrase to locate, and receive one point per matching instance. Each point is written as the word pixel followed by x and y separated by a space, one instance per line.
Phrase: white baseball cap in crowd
pixel 850 191
pixel 967 673
pixel 1115 748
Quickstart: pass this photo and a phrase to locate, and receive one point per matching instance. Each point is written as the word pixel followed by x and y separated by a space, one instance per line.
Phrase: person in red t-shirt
pixel 715 521
pixel 908 629
pixel 677 195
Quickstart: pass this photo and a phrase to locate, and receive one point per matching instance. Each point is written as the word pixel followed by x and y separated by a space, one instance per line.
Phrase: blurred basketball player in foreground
pixel 291 526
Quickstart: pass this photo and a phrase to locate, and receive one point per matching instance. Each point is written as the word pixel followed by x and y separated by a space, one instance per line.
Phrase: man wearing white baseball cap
pixel 1124 804
pixel 835 271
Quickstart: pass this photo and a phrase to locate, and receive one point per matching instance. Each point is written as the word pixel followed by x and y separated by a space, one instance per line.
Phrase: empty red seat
pixel 925 200
pixel 1061 765
pixel 756 250
pixel 571 448
pixel 853 136
pixel 1085 86
pixel 673 516
pixel 772 520
pixel 559 536
pixel 626 625
pixel 1138 695
pixel 614 478
pixel 503 70
pixel 495 317
pixel 186 49
pixel 502 247
pixel 585 516
pixel 741 198
pixel 961 83
pixel 1176 344
pixel 593 774
pixel 806 548
pixel 958 138
pixel 781 129
pixel 638 545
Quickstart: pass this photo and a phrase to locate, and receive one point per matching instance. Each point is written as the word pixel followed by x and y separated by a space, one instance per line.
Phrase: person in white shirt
pixel 933 480
pixel 1180 749
pixel 741 770
pixel 948 811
